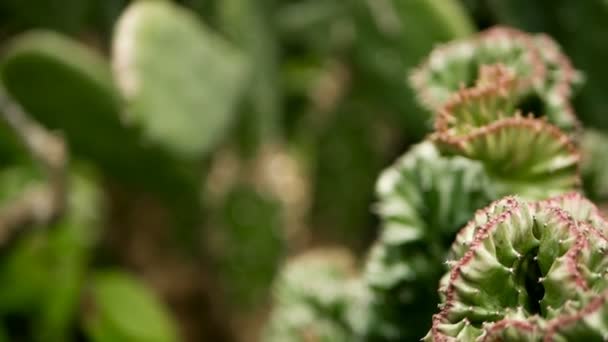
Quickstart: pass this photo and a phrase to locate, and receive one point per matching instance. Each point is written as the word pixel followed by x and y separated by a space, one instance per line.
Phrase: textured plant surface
pixel 527 271
pixel 226 137
pixel 483 148
pixel 543 75
pixel 425 199
pixel 313 298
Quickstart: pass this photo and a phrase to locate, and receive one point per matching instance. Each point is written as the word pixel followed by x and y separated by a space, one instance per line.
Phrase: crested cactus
pixel 544 76
pixel 504 125
pixel 482 123
pixel 527 271
pixel 483 148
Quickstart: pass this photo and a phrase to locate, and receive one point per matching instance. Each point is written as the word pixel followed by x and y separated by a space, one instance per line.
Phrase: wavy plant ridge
pixel 482 123
pixel 504 125
pixel 544 76
pixel 526 271
pixel 480 126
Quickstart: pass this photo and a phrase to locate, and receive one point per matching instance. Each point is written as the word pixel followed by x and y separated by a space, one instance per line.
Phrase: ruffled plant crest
pixel 527 271
pixel 504 125
pixel 486 144
pixel 544 76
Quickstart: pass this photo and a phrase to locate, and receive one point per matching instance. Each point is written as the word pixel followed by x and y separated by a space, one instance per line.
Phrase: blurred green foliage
pixel 150 95
pixel 123 310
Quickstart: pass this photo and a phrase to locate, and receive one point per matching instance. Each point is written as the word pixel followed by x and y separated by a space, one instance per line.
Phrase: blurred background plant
pixel 206 142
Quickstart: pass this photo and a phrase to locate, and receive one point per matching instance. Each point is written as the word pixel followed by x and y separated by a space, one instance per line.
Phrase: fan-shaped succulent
pixel 527 271
pixel 482 149
pixel 481 123
pixel 544 76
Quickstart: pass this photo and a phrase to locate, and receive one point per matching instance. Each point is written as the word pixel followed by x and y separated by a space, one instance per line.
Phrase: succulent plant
pixel 503 126
pixel 425 198
pixel 205 72
pixel 32 67
pixel 483 148
pixel 544 76
pixel 527 271
pixel 312 298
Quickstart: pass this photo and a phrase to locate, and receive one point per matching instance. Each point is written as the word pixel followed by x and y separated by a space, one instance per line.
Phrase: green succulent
pixel 313 296
pixel 425 198
pixel 483 148
pixel 527 271
pixel 544 75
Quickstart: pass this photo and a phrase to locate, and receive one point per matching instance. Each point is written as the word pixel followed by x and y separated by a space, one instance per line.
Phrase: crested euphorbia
pixel 483 123
pixel 503 126
pixel 543 75
pixel 483 147
pixel 527 271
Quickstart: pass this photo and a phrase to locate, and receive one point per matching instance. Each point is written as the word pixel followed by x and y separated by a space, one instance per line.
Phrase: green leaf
pixel 181 81
pixel 42 272
pixel 69 247
pixel 68 87
pixel 124 309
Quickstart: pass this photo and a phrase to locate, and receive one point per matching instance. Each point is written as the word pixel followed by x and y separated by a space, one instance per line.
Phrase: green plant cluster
pixel 504 125
pixel 526 271
pixel 163 163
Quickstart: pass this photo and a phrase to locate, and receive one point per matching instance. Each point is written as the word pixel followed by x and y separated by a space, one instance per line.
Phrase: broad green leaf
pixel 126 310
pixel 68 87
pixel 181 81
